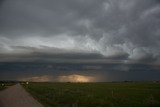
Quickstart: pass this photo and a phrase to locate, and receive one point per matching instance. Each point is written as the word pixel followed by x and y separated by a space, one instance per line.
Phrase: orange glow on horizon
pixel 76 78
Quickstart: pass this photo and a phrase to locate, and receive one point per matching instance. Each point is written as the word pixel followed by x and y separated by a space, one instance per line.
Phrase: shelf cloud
pixel 99 31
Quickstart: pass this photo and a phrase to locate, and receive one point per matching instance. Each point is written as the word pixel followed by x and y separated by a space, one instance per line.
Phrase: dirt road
pixel 16 96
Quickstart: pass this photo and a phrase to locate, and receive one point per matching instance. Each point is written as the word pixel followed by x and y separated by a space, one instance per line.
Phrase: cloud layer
pixel 112 28
pixel 111 37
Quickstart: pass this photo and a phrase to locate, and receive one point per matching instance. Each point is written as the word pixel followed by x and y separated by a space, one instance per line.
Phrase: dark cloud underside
pixel 81 31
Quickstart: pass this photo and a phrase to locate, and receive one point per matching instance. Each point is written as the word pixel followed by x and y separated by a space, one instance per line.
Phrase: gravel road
pixel 16 96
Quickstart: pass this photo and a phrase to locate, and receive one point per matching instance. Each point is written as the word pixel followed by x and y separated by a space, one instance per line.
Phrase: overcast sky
pixel 116 32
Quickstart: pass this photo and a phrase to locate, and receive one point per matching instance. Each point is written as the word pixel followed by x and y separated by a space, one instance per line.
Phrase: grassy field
pixel 5 84
pixel 96 94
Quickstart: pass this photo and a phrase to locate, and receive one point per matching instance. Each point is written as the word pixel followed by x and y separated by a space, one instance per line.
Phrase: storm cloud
pixel 84 31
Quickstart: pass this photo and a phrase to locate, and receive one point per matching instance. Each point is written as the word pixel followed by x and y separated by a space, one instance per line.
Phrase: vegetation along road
pixel 16 96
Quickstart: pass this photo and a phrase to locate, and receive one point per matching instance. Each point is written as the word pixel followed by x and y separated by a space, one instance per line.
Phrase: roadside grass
pixel 5 84
pixel 136 94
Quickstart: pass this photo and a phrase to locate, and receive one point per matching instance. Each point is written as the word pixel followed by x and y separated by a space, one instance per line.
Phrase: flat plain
pixel 105 94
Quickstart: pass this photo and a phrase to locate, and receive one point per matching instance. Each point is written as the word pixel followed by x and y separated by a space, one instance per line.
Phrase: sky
pixel 80 40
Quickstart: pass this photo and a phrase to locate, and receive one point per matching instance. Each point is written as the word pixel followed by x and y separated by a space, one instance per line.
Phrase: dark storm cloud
pixel 29 54
pixel 44 17
pixel 107 71
pixel 113 28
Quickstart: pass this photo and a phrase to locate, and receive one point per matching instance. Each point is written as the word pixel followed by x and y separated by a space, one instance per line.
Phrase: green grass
pixel 4 84
pixel 96 94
